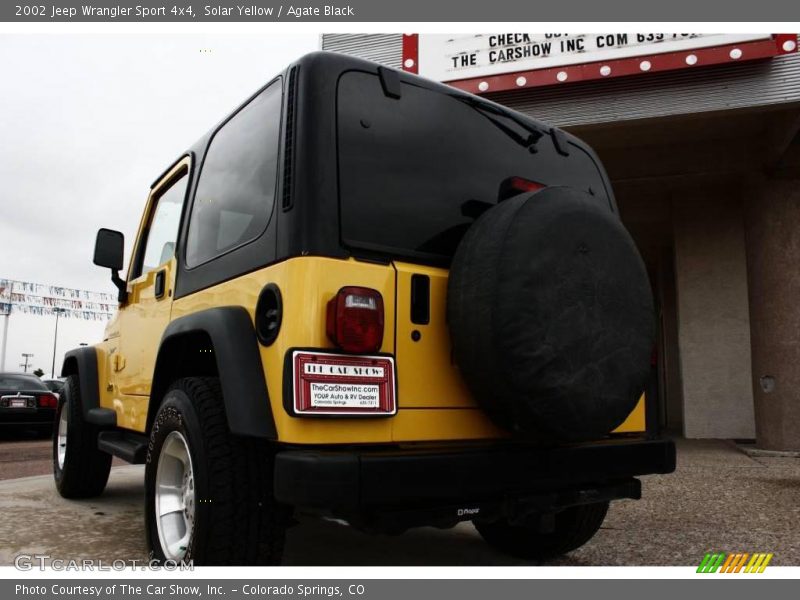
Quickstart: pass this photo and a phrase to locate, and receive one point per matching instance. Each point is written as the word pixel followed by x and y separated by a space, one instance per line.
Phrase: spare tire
pixel 551 315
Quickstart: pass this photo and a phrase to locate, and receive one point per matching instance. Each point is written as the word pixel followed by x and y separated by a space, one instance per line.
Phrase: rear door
pixel 427 375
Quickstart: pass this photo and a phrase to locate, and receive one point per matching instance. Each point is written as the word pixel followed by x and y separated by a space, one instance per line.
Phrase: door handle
pixel 161 284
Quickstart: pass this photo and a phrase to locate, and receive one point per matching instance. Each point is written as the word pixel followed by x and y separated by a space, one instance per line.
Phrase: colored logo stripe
pixel 728 562
pixel 741 562
pixel 765 563
pixel 711 562
pixel 758 563
pixel 716 565
pixel 703 563
pixel 734 563
pixel 753 562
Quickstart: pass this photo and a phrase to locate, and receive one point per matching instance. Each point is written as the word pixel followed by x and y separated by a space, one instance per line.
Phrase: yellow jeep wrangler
pixel 379 299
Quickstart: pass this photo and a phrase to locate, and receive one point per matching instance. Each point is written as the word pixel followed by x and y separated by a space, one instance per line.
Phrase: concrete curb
pixel 22 481
pixel 755 452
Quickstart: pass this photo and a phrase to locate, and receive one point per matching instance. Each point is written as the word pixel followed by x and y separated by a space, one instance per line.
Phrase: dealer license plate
pixel 337 384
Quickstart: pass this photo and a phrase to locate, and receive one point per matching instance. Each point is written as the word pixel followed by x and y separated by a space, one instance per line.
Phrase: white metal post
pixel 5 339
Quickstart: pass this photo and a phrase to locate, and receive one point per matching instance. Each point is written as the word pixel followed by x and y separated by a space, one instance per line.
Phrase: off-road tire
pixel 574 527
pixel 236 520
pixel 85 471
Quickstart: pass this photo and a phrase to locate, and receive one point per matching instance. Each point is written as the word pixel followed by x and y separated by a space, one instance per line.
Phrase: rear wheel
pixel 573 527
pixel 80 470
pixel 209 493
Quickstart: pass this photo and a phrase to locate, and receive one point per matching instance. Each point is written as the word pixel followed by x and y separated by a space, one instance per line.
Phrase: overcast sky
pixel 87 122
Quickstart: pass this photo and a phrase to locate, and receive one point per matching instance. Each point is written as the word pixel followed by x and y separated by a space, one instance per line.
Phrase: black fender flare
pixel 83 363
pixel 236 352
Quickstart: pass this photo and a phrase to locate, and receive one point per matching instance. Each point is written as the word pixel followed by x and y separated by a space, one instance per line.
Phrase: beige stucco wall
pixel 773 237
pixel 713 315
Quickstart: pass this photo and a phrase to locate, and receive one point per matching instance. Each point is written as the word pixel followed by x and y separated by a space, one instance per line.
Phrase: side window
pixel 162 230
pixel 236 191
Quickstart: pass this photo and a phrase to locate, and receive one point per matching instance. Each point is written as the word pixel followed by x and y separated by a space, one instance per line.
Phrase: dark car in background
pixel 54 385
pixel 26 403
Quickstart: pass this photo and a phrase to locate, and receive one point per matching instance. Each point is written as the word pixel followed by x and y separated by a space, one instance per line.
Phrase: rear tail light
pixel 48 401
pixel 355 320
pixel 518 185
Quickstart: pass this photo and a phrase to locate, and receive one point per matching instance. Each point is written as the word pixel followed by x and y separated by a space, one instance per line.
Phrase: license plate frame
pixel 329 384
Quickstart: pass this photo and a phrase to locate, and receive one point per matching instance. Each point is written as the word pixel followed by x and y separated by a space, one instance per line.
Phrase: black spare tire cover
pixel 551 315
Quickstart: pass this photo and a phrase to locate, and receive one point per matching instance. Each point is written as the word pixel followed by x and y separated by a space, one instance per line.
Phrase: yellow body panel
pixel 426 372
pixel 635 421
pixel 433 402
pixel 131 410
pixel 142 322
pixel 306 285
pixel 430 407
pixel 443 386
pixel 432 424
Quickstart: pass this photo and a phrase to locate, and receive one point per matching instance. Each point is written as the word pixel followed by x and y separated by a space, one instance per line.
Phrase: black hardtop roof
pixel 325 68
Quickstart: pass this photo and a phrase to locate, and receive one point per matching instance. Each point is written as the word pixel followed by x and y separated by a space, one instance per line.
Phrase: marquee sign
pixel 481 63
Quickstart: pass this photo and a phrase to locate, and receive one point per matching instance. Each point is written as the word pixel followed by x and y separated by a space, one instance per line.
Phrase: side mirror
pixel 109 250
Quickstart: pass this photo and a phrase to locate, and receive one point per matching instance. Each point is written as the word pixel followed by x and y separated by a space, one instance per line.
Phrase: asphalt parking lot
pixel 24 453
pixel 719 499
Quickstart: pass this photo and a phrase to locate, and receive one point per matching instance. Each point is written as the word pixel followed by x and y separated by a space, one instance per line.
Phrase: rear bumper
pixel 361 481
pixel 23 417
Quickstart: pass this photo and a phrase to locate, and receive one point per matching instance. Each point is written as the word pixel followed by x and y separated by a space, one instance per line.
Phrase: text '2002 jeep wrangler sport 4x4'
pixel 378 298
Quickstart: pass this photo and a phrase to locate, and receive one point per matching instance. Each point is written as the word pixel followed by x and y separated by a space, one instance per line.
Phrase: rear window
pixel 21 383
pixel 412 170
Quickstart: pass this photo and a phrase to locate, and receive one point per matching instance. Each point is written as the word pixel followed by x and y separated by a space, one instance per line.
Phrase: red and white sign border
pixel 301 400
pixel 778 44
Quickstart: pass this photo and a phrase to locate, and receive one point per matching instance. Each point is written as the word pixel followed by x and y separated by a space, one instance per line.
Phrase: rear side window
pixel 236 192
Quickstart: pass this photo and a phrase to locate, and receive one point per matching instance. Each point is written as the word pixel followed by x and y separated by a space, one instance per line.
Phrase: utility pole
pixel 5 316
pixel 25 365
pixel 5 296
pixel 58 311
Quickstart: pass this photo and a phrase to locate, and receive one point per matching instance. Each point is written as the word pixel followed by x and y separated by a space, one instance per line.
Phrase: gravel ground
pixel 719 499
